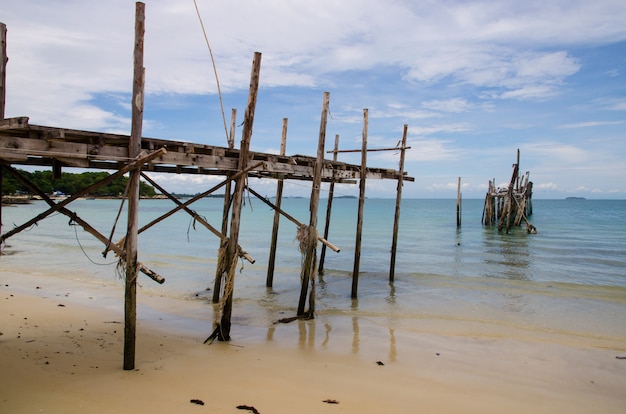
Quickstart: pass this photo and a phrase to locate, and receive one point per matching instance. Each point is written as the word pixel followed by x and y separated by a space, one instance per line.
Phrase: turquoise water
pixel 570 277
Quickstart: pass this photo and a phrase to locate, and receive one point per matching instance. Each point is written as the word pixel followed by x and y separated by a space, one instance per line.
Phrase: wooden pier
pixel 23 143
pixel 511 205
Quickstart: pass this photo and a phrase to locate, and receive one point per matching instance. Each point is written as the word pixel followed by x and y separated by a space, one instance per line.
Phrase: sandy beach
pixel 62 344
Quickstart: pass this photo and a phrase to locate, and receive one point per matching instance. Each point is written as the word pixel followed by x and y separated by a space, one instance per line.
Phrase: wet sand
pixel 62 342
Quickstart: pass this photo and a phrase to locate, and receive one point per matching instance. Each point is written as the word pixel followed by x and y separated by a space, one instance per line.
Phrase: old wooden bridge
pixel 22 143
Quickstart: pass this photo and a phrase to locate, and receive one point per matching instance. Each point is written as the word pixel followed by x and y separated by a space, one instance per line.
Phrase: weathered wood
pixel 217 282
pixel 134 148
pixel 86 226
pixel 3 67
pixel 81 193
pixel 26 144
pixel 369 150
pixel 359 223
pixel 1 201
pixel 396 218
pixel 269 281
pixel 310 256
pixel 458 203
pixel 510 206
pixel 329 206
pixel 195 215
pixel 292 219
pixel 222 329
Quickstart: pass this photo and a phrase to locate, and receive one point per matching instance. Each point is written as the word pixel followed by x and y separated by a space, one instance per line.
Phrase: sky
pixel 474 81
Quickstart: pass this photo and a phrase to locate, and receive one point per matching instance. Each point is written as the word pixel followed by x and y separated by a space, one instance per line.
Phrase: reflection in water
pixel 327 329
pixel 391 299
pixel 393 352
pixel 509 253
pixel 307 337
pixel 355 335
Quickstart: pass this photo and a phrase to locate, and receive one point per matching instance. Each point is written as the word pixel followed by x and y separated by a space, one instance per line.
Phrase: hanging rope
pixel 73 224
pixel 119 212
pixel 217 80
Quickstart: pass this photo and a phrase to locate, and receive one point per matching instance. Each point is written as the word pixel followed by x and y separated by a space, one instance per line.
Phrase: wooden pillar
pixel 3 67
pixel 134 148
pixel 269 282
pixel 396 219
pixel 310 259
pixel 222 330
pixel 329 206
pixel 359 224
pixel 3 64
pixel 217 285
pixel 458 204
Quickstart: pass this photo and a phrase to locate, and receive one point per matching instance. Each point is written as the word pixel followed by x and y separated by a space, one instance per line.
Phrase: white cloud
pixel 452 69
pixel 590 124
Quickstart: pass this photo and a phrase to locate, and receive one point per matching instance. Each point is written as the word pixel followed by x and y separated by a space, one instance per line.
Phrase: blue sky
pixel 474 81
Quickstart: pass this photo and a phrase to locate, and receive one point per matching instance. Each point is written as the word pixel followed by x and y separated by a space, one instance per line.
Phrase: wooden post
pixel 222 330
pixel 217 284
pixel 396 219
pixel 279 197
pixel 3 67
pixel 3 70
pixel 134 148
pixel 310 259
pixel 329 205
pixel 458 204
pixel 359 224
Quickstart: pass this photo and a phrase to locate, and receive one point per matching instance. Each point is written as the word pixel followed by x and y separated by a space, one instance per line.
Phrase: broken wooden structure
pixel 511 205
pixel 22 143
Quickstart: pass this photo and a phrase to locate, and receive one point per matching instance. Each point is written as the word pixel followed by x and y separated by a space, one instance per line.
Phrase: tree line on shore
pixel 70 183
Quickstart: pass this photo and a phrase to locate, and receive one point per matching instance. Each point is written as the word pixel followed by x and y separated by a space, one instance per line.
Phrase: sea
pixel 568 279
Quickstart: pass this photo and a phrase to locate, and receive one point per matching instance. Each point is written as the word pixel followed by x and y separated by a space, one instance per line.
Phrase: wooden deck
pixel 35 145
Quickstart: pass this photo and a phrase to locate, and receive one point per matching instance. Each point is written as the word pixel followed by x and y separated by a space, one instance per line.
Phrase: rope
pixel 83 250
pixel 119 212
pixel 219 91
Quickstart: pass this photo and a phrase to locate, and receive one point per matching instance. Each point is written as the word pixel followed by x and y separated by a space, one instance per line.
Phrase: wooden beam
pixel 81 193
pixel 86 226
